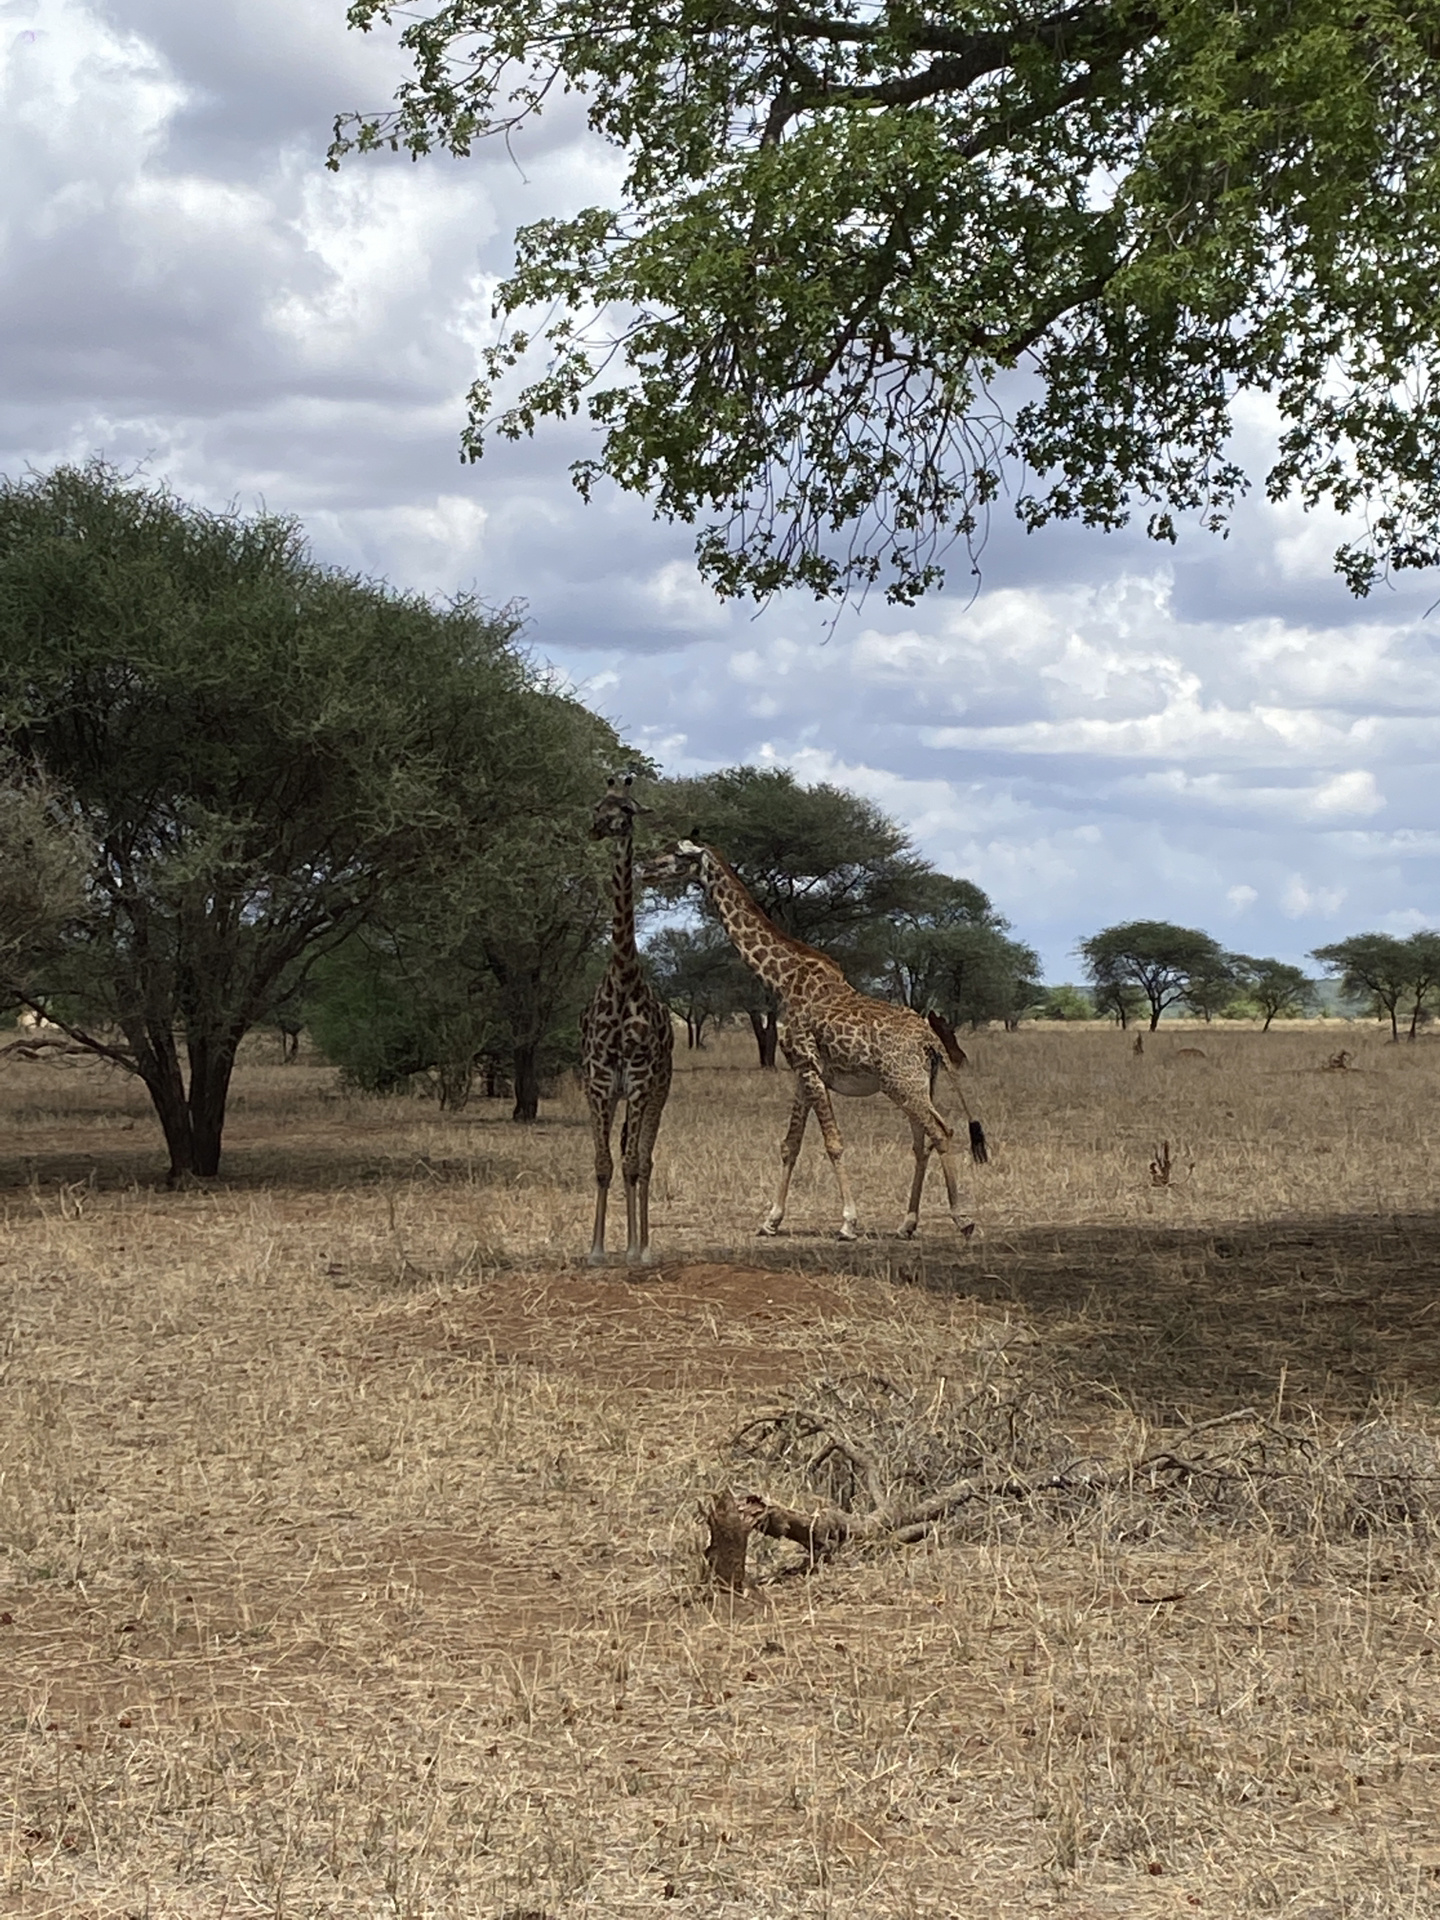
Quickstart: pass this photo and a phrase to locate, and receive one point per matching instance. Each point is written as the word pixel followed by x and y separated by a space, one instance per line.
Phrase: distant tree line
pixel 1147 967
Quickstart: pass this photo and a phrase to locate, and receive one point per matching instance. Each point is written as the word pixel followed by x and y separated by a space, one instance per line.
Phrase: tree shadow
pixel 1346 1310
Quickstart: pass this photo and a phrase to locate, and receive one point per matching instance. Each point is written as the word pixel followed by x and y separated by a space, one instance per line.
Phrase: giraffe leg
pixel 789 1154
pixel 816 1094
pixel 931 1134
pixel 602 1118
pixel 835 1147
pixel 921 1142
pixel 629 1173
pixel 645 1133
pixel 941 1139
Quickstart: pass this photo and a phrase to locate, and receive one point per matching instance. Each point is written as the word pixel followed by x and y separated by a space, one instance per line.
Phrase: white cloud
pixel 1346 793
pixel 1300 901
pixel 679 599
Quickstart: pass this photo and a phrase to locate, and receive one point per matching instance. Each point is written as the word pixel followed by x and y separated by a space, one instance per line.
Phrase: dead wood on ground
pixel 1241 1465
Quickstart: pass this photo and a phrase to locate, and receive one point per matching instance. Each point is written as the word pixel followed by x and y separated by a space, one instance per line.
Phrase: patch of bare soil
pixel 674 1327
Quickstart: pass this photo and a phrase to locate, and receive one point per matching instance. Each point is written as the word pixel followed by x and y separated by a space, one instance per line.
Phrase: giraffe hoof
pixel 595 1257
pixel 966 1230
pixel 848 1233
pixel 767 1230
pixel 908 1230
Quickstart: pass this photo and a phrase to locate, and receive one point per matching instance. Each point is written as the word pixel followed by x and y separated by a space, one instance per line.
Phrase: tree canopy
pixel 489 952
pixel 1385 971
pixel 1279 990
pixel 865 261
pixel 949 952
pixel 260 749
pixel 1165 963
pixel 698 975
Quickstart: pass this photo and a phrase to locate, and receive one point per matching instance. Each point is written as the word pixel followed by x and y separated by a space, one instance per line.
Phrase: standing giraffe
pixel 626 1043
pixel 835 1039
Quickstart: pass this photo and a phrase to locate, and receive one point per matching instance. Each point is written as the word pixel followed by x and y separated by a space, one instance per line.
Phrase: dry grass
pixel 349 1525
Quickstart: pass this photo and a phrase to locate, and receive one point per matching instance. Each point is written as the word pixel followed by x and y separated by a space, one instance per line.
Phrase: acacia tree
pixel 1279 990
pixel 827 865
pixel 949 951
pixel 260 750
pixel 472 964
pixel 1165 963
pixel 1117 1000
pixel 841 227
pixel 1212 984
pixel 1384 970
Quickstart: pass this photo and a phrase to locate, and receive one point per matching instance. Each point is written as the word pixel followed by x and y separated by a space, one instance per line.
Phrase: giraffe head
pixel 676 865
pixel 614 815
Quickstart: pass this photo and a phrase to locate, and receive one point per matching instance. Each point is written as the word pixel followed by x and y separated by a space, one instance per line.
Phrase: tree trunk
pixel 167 1096
pixel 212 1061
pixel 765 1028
pixel 527 1081
pixel 194 1121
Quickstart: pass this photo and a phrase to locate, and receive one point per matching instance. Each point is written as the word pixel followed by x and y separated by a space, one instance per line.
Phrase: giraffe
pixel 626 1043
pixel 835 1040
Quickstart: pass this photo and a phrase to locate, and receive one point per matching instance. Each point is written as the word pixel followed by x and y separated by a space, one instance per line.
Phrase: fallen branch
pixel 824 1531
pixel 32 1048
pixel 1210 1460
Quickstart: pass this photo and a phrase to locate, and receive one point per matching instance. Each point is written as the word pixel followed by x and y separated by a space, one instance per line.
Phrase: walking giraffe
pixel 626 1043
pixel 834 1038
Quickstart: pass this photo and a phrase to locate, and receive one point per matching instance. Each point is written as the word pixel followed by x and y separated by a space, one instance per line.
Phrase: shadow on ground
pixel 1347 1309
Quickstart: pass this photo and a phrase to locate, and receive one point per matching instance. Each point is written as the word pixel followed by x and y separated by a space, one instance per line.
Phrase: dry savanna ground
pixel 350 1526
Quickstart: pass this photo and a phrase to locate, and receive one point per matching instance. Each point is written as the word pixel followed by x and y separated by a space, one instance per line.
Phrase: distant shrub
pixel 1065 1003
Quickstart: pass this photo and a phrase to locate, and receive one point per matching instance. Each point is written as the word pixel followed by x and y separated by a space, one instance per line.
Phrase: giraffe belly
pixel 856 1082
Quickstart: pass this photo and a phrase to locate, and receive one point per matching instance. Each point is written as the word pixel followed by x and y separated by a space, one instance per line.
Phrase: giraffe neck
pixel 622 873
pixel 782 963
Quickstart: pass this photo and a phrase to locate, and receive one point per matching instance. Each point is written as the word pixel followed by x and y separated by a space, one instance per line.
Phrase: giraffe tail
pixel 955 1054
pixel 945 1034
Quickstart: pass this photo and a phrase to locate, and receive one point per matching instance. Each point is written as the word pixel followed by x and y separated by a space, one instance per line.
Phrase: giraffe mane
pixel 788 940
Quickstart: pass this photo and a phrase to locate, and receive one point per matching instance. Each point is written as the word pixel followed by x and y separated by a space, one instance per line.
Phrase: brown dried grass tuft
pixel 350 1560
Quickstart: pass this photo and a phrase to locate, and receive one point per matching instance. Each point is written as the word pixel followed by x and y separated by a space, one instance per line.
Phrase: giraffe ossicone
pixel 835 1039
pixel 626 1043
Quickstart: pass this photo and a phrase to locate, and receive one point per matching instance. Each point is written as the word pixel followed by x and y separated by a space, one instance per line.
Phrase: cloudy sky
pixel 1098 730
